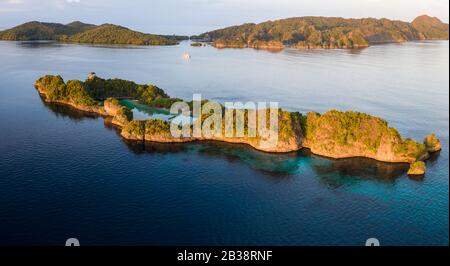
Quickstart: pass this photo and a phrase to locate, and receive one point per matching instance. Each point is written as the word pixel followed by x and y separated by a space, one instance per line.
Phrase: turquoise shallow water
pixel 143 112
pixel 67 174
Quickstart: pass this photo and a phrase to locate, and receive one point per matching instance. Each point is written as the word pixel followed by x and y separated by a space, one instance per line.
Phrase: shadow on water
pixel 336 173
pixel 433 160
pixel 321 51
pixel 38 44
pixel 56 44
pixel 333 173
pixel 64 111
pixel 276 165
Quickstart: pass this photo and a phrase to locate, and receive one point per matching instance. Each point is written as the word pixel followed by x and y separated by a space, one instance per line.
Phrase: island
pixel 335 134
pixel 325 32
pixel 78 32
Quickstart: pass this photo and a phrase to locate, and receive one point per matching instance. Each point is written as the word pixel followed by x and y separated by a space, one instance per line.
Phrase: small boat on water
pixel 186 56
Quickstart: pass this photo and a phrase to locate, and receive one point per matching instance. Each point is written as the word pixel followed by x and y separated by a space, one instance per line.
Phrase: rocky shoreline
pixel 334 134
pixel 326 33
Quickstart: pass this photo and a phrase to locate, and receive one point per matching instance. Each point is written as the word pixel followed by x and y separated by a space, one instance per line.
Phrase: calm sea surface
pixel 64 174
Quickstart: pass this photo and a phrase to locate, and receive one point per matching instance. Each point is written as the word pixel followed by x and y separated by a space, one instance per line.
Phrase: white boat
pixel 186 56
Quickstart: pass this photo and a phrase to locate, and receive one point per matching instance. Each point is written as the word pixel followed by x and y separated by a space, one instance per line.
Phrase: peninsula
pixel 334 134
pixel 326 32
pixel 78 32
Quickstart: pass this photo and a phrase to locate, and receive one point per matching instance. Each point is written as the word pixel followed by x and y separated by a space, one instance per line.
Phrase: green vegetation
pixel 85 33
pixel 410 149
pixel 325 32
pixel 113 34
pixel 121 114
pixel 431 27
pixel 176 37
pixel 87 93
pixel 196 44
pixel 156 127
pixel 337 132
pixel 124 115
pixel 432 143
pixel 417 168
pixel 35 30
pixel 112 101
pixel 77 93
pixel 149 95
pixel 56 90
pixel 135 128
pixel 334 134
pixel 289 124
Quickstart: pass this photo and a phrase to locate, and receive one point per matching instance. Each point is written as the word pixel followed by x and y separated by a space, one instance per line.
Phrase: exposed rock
pixel 351 134
pixel 123 117
pixel 112 106
pixel 121 114
pixel 333 134
pixel 417 168
pixel 432 143
pixel 271 45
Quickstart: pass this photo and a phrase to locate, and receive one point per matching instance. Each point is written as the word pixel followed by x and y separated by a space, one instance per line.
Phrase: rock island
pixel 335 134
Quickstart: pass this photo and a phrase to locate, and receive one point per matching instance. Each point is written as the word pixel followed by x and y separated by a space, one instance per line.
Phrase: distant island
pixel 334 134
pixel 325 32
pixel 78 32
pixel 299 32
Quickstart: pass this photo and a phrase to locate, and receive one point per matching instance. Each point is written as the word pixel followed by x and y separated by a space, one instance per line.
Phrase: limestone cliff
pixel 121 114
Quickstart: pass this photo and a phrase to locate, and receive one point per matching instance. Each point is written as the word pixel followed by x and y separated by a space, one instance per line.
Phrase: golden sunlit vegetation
pixel 135 127
pixel 35 30
pixel 74 91
pixel 431 28
pixel 432 143
pixel 336 132
pixel 113 34
pixel 86 93
pixel 326 32
pixel 417 168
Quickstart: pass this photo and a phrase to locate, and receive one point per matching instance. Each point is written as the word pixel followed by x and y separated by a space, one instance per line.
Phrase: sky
pixel 196 16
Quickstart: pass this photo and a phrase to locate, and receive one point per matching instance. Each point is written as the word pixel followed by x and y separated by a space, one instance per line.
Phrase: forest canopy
pixel 79 32
pixel 326 32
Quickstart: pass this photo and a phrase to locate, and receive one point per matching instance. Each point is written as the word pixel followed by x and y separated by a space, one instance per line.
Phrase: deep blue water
pixel 66 174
